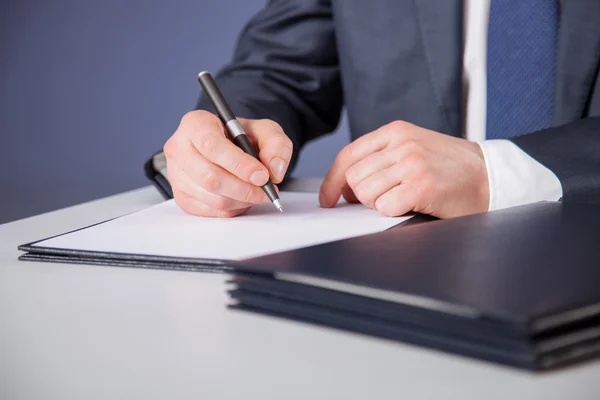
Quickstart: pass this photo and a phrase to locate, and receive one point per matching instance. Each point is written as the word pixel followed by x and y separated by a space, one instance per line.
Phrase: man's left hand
pixel 401 167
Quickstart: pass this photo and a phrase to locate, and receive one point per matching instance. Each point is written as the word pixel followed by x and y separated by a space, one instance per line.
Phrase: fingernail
pixel 379 204
pixel 259 178
pixel 278 167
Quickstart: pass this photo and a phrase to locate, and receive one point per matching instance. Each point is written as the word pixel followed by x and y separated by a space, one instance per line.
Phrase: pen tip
pixel 277 205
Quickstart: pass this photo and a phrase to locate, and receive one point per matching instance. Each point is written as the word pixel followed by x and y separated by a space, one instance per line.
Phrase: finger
pixel 274 146
pixel 210 140
pixel 193 206
pixel 368 190
pixel 335 179
pixel 397 201
pixel 369 165
pixel 196 171
pixel 217 180
pixel 183 183
pixel 349 195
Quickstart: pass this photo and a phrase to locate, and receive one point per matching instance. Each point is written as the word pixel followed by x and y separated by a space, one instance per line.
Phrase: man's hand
pixel 211 176
pixel 401 168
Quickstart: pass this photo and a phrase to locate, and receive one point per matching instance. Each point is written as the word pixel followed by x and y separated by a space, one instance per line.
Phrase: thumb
pixel 274 147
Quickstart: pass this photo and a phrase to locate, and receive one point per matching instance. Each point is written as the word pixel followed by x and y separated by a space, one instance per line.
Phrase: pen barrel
pixel 233 127
pixel 270 191
pixel 216 97
pixel 244 143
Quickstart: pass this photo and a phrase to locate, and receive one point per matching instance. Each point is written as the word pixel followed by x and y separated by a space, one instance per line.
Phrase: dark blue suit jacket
pixel 299 62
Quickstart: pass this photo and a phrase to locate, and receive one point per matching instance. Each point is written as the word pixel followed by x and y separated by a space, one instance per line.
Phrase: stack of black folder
pixel 519 286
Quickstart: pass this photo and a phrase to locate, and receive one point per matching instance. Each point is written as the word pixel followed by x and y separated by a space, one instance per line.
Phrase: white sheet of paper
pixel 166 230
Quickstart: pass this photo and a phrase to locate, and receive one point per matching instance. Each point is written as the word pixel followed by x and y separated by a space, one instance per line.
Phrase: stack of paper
pixel 164 236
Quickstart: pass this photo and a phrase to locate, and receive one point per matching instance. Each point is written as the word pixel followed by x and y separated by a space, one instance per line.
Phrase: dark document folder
pixel 519 286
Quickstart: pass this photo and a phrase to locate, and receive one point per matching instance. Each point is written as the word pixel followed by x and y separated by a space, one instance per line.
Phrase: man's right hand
pixel 211 176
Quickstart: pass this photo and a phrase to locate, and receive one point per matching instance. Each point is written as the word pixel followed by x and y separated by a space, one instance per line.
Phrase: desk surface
pixel 93 332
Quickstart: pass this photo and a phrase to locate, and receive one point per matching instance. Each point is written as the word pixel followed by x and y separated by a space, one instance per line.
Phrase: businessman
pixel 455 106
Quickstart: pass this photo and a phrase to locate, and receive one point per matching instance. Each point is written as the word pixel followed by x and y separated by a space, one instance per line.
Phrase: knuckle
pixel 361 193
pixel 275 138
pixel 415 162
pixel 211 182
pixel 197 116
pixel 351 177
pixel 287 142
pixel 200 126
pixel 283 145
pixel 282 152
pixel 170 148
pixel 271 125
pixel 238 169
pixel 400 131
pixel 206 118
pixel 413 145
pixel 400 126
pixel 370 199
pixel 187 118
pixel 206 144
pixel 351 149
pixel 287 149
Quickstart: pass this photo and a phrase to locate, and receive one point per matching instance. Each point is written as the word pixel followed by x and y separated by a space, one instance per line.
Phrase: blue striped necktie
pixel 521 63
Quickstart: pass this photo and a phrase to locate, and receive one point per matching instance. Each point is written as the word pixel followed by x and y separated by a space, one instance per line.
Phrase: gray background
pixel 90 89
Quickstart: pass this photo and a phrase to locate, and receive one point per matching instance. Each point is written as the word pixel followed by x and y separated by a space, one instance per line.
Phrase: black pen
pixel 233 127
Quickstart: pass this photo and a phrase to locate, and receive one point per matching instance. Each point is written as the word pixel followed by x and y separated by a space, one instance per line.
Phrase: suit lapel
pixel 441 29
pixel 577 58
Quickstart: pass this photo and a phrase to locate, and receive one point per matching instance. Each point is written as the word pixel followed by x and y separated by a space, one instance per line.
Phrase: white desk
pixel 92 332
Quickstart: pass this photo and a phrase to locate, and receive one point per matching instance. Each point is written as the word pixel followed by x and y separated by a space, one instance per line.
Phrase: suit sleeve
pixel 572 152
pixel 285 68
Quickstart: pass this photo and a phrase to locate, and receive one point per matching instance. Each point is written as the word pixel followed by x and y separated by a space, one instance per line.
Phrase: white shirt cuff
pixel 515 178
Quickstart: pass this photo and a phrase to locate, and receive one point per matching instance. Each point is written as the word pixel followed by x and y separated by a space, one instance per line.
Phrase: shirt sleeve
pixel 515 178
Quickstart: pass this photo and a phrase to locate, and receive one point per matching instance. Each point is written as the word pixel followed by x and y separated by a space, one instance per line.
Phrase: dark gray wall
pixel 89 89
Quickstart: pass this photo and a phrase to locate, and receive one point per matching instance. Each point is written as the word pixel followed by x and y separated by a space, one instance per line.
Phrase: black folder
pixel 519 286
